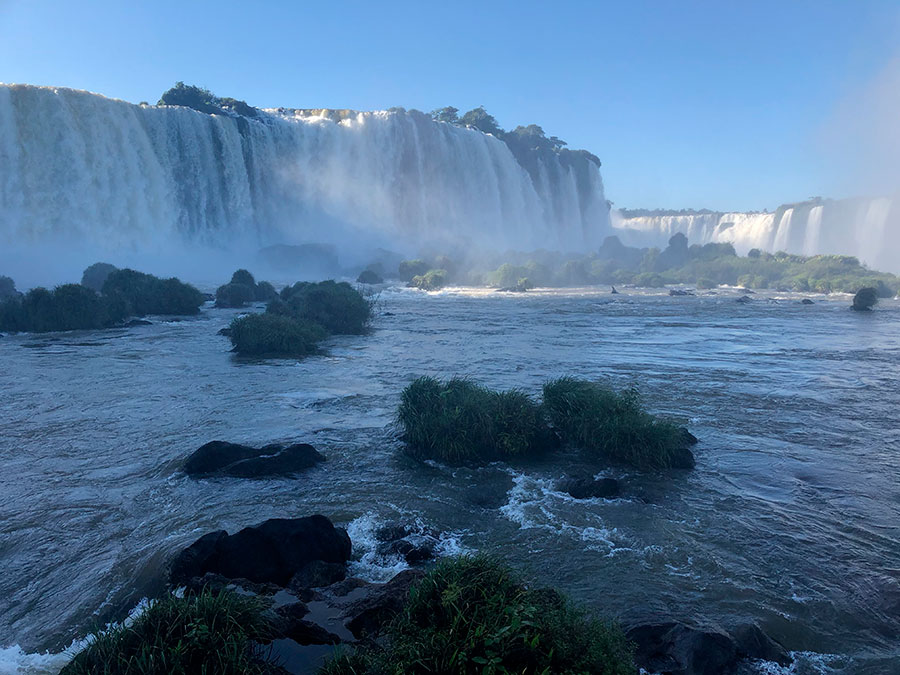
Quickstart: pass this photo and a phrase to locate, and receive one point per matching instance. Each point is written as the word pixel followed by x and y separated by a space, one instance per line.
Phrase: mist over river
pixel 791 517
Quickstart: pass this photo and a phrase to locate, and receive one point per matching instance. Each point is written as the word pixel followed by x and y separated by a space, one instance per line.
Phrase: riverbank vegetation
pixel 704 267
pixel 473 615
pixel 244 289
pixel 458 421
pixel 125 293
pixel 300 317
pixel 198 633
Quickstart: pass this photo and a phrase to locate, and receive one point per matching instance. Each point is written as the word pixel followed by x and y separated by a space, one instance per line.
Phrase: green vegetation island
pixel 680 263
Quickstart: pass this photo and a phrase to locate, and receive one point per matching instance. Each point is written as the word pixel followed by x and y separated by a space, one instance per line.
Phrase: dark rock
pixel 369 277
pixel 369 615
pixel 234 459
pixel 678 291
pixel 752 643
pixel 414 554
pixel 225 331
pixel 865 299
pixel 317 574
pixel 806 301
pixel 589 488
pixel 678 649
pixel 347 586
pixel 682 458
pixel 392 532
pixel 308 633
pixel 613 291
pixel 271 552
pixel 216 583
pixel 687 437
pixel 292 611
pixel 744 299
pixel 137 322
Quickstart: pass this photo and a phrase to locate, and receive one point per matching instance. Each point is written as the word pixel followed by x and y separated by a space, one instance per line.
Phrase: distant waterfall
pixel 866 228
pixel 79 167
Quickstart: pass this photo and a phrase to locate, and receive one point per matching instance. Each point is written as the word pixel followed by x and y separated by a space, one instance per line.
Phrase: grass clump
pixel 459 421
pixel 432 280
pixel 147 294
pixel 472 615
pixel 610 424
pixel 336 306
pixel 204 633
pixel 270 334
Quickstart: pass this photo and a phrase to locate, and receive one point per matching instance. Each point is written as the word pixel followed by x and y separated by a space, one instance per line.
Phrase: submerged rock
pixel 271 552
pixel 744 299
pixel 415 547
pixel 137 322
pixel 678 291
pixel 589 488
pixel 242 461
pixel 806 301
pixel 678 648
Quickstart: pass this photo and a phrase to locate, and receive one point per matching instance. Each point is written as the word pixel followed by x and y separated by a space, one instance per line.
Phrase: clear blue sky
pixel 719 104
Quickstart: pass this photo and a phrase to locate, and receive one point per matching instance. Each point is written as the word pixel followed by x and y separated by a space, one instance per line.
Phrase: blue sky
pixel 726 105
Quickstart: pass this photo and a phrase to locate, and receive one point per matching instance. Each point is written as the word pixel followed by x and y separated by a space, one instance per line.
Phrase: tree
pixel 482 120
pixel 190 96
pixel 449 114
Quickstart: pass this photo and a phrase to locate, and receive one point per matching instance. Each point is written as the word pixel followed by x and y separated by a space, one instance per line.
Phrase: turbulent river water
pixel 791 518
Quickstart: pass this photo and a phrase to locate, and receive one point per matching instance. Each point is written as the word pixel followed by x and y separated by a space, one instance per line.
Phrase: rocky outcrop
pixel 242 461
pixel 675 648
pixel 865 299
pixel 272 552
pixel 589 487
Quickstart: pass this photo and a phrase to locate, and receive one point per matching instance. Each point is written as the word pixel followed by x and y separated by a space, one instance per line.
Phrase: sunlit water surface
pixel 791 518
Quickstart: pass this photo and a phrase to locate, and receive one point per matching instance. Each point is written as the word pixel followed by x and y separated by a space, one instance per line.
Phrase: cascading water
pixel 78 167
pixel 866 228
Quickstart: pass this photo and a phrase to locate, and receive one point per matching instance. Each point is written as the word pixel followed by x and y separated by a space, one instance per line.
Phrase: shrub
pixel 265 292
pixel 460 421
pixel 274 335
pixel 472 615
pixel 610 424
pixel 204 633
pixel 369 277
pixel 67 307
pixel 7 288
pixel 412 268
pixel 235 295
pixel 96 275
pixel 190 96
pixel 337 307
pixel 148 294
pixel 432 280
pixel 243 277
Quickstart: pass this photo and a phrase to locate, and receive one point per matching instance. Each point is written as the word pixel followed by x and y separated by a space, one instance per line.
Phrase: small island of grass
pixel 458 421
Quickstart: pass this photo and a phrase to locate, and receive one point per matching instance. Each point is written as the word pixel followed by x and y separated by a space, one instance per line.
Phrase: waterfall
pixel 79 168
pixel 868 228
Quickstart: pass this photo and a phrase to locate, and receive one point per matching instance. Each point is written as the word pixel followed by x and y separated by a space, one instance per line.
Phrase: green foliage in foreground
pixel 472 615
pixel 461 421
pixel 274 335
pixel 67 307
pixel 432 280
pixel 147 294
pixel 610 424
pixel 205 633
pixel 336 306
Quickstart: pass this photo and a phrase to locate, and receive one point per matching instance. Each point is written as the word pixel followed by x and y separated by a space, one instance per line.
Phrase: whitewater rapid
pixel 81 168
pixel 868 228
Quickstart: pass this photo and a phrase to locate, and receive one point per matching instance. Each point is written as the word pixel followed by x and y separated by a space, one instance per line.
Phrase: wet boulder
pixel 682 458
pixel 806 301
pixel 681 649
pixel 415 546
pixel 744 299
pixel 242 461
pixel 369 277
pixel 680 292
pixel 589 487
pixel 271 552
pixel 317 574
pixel 369 615
pixel 865 299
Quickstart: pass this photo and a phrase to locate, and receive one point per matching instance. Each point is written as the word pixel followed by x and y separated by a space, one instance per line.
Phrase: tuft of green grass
pixel 203 633
pixel 458 421
pixel 274 335
pixel 473 615
pixel 610 424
